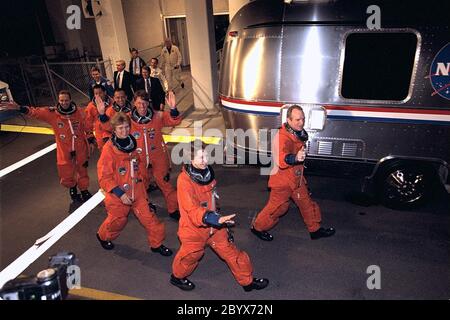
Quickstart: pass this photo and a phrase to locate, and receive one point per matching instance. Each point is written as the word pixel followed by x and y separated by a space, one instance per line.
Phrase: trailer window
pixel 378 66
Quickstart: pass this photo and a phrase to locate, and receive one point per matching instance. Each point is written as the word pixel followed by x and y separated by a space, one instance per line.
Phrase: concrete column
pixel 202 52
pixel 112 33
pixel 235 5
pixel 57 11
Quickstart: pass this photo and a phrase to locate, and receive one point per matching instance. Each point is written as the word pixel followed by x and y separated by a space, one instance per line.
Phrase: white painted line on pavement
pixel 43 244
pixel 27 160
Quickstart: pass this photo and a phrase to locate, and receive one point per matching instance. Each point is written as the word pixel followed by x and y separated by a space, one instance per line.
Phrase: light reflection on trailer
pixel 382 94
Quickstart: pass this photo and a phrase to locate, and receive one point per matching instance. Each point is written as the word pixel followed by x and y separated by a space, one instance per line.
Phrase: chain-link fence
pixel 28 81
pixel 36 82
pixel 75 77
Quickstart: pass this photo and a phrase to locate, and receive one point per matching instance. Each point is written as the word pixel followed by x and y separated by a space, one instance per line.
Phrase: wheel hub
pixel 405 186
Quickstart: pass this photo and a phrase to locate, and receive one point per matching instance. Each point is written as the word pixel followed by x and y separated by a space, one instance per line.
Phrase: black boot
pixel 162 250
pixel 74 195
pixel 257 284
pixel 183 284
pixel 322 233
pixel 85 195
pixel 107 245
pixel 175 215
pixel 263 235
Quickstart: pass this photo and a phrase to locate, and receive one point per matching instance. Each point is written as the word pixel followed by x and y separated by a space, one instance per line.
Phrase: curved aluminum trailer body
pixel 384 91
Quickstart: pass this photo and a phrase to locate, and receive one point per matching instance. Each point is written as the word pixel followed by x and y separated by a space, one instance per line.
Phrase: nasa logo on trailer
pixel 60 125
pixel 439 73
pixel 122 171
pixel 136 135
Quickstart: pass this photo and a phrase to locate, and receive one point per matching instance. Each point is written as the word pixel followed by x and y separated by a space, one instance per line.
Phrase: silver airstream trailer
pixel 375 96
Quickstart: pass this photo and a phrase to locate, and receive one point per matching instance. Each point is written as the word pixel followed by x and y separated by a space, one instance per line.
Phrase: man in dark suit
pixel 122 79
pixel 136 64
pixel 153 88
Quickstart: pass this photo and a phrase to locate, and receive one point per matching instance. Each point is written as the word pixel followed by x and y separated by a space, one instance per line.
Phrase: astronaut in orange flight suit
pixel 287 181
pixel 122 175
pixel 146 126
pixel 73 141
pixel 120 104
pixel 95 115
pixel 201 224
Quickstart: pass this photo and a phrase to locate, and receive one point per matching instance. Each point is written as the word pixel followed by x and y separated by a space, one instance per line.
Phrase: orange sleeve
pixel 105 171
pixel 106 126
pixel 43 114
pixel 110 112
pixel 188 203
pixel 83 117
pixel 90 117
pixel 169 121
pixel 282 148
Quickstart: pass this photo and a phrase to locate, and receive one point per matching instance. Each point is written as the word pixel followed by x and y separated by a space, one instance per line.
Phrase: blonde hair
pixel 118 119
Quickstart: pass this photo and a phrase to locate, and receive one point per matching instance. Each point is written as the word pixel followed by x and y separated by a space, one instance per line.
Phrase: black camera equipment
pixel 48 284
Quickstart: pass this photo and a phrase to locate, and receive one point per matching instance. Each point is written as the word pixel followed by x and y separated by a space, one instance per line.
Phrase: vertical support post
pixel 50 81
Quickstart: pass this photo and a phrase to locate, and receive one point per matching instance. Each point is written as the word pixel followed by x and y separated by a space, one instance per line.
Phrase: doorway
pixel 177 32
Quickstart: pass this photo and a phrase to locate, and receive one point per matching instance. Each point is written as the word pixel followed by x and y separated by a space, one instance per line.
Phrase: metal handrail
pixel 69 83
pixel 205 94
pixel 78 63
pixel 157 46
pixel 147 54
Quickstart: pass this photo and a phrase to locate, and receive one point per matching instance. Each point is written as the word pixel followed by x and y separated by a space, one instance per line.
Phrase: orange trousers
pixel 118 217
pixel 159 170
pixel 71 175
pixel 279 203
pixel 187 258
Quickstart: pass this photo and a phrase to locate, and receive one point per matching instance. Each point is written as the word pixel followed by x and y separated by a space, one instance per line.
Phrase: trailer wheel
pixel 405 185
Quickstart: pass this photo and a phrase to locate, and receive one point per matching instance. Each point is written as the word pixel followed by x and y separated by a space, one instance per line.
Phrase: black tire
pixel 403 185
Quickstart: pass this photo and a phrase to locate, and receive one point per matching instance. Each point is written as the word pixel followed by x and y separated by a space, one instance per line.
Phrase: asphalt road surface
pixel 411 248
